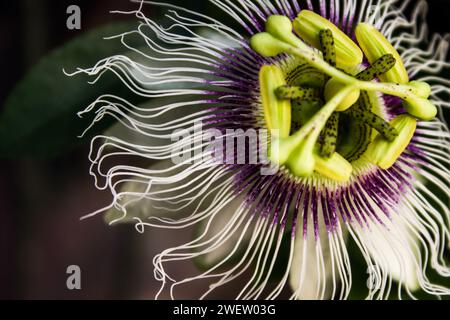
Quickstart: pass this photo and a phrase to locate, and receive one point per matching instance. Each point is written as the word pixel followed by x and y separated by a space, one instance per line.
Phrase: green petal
pixel 375 45
pixel 277 112
pixel 335 168
pixel 308 25
pixel 384 153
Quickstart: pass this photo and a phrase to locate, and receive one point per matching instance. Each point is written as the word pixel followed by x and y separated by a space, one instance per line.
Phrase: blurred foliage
pixel 39 118
pixel 40 115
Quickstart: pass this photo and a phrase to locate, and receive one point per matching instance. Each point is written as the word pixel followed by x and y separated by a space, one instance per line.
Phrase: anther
pixel 328 48
pixel 309 24
pixel 384 153
pixel 330 135
pixel 297 93
pixel 378 68
pixel 374 45
pixel 374 121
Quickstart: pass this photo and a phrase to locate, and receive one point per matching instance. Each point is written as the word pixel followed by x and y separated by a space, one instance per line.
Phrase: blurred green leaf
pixel 40 115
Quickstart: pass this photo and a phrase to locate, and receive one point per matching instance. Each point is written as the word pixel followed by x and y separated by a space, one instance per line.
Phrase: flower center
pixel 349 132
pixel 325 113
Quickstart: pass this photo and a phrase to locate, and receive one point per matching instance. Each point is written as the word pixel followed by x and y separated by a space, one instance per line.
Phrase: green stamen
pixel 293 105
pixel 284 147
pixel 375 45
pixel 374 121
pixel 384 153
pixel 378 68
pixel 403 91
pixel 269 46
pixel 328 49
pixel 309 24
pixel 277 112
pixel 293 93
pixel 330 135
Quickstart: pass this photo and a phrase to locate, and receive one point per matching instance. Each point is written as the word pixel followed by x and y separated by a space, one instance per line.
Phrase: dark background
pixel 41 200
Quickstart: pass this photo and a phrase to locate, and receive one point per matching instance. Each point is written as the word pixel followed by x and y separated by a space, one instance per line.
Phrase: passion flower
pixel 365 171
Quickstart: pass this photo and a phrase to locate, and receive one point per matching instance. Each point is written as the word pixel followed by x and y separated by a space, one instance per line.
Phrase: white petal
pixel 219 224
pixel 132 199
pixel 312 276
pixel 394 250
